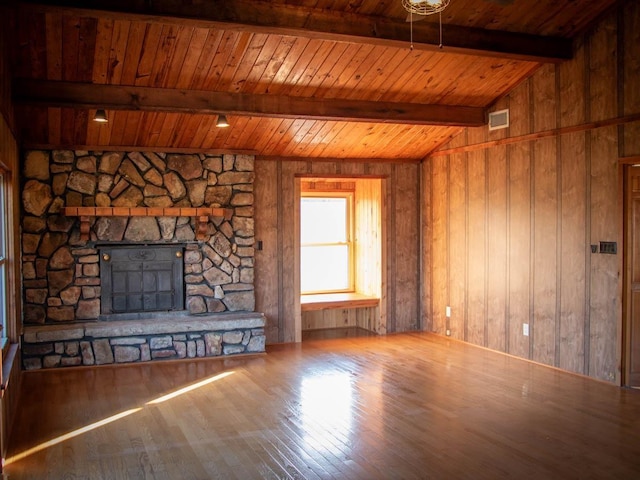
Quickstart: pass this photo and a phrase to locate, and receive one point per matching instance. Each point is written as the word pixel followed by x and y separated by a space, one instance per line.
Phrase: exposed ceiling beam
pixel 325 24
pixel 120 97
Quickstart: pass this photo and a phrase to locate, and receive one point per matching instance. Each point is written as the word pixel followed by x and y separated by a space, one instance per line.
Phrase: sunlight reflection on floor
pixel 113 418
pixel 326 404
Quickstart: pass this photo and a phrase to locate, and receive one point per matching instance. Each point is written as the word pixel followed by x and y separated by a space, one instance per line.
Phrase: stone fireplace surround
pixel 61 270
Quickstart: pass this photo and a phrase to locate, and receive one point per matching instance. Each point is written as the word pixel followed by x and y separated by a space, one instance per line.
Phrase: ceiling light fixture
pixel 100 116
pixel 424 8
pixel 222 121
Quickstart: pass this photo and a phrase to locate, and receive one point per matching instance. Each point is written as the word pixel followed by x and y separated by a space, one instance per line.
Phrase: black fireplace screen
pixel 141 278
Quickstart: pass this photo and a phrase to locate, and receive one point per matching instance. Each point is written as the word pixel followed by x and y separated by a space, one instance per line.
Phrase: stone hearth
pixel 159 337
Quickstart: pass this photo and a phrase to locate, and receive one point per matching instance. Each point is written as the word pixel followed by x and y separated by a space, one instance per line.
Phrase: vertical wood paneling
pixel 407 241
pixel 546 203
pixel 498 249
pixel 387 302
pixel 439 252
pixel 574 248
pixel 289 231
pixel 546 242
pixel 368 236
pixel 352 168
pixel 573 213
pixel 519 225
pixel 605 289
pixel 545 252
pixel 6 70
pixel 332 318
pixel 631 91
pixel 266 231
pixel 426 275
pixel 605 294
pixel 476 251
pixel 365 318
pixel 519 248
pixel 458 244
pixel 368 318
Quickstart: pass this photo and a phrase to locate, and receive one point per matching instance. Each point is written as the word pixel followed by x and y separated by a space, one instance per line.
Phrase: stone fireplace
pixel 114 237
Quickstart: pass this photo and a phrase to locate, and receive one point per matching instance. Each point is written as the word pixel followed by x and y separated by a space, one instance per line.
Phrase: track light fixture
pixel 222 121
pixel 100 116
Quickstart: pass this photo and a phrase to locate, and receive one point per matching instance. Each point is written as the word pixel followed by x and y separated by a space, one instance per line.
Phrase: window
pixel 326 257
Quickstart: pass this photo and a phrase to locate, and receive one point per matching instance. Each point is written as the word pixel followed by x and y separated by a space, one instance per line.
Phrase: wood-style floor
pixel 395 407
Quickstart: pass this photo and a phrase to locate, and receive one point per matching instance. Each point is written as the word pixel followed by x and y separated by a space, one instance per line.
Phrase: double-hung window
pixel 326 229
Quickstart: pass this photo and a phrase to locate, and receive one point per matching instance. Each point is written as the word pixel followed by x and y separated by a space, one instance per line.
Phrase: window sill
pixel 327 301
pixel 8 361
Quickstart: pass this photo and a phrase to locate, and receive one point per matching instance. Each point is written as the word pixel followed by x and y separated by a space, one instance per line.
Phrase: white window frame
pixel 350 219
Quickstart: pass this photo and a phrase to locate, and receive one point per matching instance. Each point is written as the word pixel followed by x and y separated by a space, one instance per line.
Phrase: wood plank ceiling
pixel 296 78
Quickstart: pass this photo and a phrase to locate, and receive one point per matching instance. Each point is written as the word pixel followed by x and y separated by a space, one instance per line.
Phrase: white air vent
pixel 499 119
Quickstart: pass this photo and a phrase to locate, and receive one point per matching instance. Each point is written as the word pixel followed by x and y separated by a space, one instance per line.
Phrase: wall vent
pixel 499 119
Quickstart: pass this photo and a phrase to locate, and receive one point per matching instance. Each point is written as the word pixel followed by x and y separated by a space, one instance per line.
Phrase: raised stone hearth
pixel 159 337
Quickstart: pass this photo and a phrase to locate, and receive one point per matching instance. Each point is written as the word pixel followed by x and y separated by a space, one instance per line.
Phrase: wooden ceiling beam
pixel 121 97
pixel 325 24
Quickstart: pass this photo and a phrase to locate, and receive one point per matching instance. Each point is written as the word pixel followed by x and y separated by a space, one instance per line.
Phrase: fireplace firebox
pixel 141 278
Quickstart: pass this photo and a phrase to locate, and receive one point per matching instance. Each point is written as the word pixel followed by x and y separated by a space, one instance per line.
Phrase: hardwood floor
pixel 395 407
pixel 335 333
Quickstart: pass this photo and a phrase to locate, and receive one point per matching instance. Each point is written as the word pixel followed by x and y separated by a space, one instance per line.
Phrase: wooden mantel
pixel 201 214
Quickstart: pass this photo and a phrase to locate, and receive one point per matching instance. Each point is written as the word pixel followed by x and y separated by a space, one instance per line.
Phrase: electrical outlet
pixel 525 329
pixel 447 311
pixel 448 332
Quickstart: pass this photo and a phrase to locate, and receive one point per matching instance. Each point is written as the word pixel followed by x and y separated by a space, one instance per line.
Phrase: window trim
pixel 350 230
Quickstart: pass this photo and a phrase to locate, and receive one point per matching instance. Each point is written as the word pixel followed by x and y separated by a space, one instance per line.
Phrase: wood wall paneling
pixel 388 304
pixel 458 245
pixel 546 243
pixel 574 250
pixel 630 92
pixel 406 236
pixel 520 218
pixel 333 318
pixel 545 218
pixel 498 253
pixel 546 201
pixel 605 288
pixel 289 228
pixel 368 318
pixel 267 259
pixel 368 238
pixel 477 241
pixel 497 240
pixel 575 239
pixel 426 245
pixel 605 292
pixel 365 318
pixel 519 249
pixel 439 261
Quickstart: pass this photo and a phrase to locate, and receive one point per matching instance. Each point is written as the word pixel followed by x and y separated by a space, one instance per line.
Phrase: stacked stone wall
pixel 61 274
